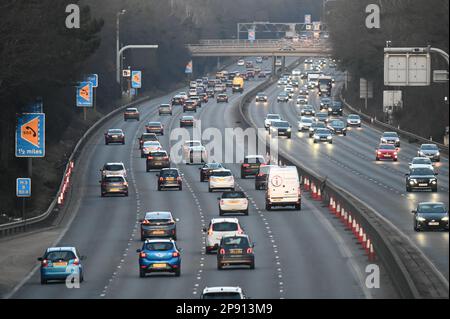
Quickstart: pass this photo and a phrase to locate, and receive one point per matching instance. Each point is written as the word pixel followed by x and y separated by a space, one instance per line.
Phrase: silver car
pixel 431 151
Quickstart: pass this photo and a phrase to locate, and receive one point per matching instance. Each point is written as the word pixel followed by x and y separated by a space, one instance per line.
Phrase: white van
pixel 283 188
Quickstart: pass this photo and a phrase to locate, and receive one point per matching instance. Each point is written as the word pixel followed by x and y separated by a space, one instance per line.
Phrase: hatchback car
pixel 159 255
pixel 187 120
pixel 325 103
pixel 269 118
pixel 386 152
pixel 430 215
pixel 354 120
pixel 218 293
pixel 149 146
pixel 314 127
pixel 235 250
pixel 58 263
pixel 219 227
pixel 165 109
pixel 322 117
pixel 307 110
pixel 431 151
pixel 158 225
pixel 155 127
pixel 114 136
pixel 190 106
pixel 221 179
pixel 323 135
pixel 146 137
pixel 261 97
pixel 222 98
pixel 170 178
pixel 233 202
pixel 250 165
pixel 416 161
pixel 283 97
pixel 157 160
pixel 113 169
pixel 177 100
pixel 390 138
pixel 131 113
pixel 281 128
pixel 336 108
pixel 113 185
pixel 207 169
pixel 304 123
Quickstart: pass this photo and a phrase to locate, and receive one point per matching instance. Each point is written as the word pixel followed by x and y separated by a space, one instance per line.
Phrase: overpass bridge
pixel 272 48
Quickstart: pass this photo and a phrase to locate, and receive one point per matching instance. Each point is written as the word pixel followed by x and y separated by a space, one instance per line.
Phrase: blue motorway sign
pixel 93 78
pixel 136 79
pixel 85 94
pixel 23 187
pixel 30 135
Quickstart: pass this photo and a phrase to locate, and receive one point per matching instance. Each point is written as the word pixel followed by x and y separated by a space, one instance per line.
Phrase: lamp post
pixel 120 13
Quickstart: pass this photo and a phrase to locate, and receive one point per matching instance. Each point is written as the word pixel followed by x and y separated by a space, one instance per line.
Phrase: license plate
pixel 114 189
pixel 235 251
pixel 114 136
pixel 158 232
pixel 156 164
pixel 170 179
pixel 387 155
pixel 159 266
pixel 433 223
pixel 60 264
pixel 423 184
pixel 233 202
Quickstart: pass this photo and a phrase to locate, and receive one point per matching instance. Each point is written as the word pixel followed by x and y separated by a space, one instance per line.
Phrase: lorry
pixel 325 85
pixel 314 77
pixel 283 188
pixel 238 84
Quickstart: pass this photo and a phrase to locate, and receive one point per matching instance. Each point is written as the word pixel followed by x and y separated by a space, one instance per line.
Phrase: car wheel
pixel 246 212
pixel 219 266
pixel 268 207
pixel 210 189
pixel 252 265
pixel 434 189
pixel 220 212
pixel 298 207
pixel 180 188
pixel 395 160
pixel 126 194
pixel 243 176
pixel 43 281
pixel 331 142
pixel 377 159
pixel 142 238
pixel 141 273
pixel 408 189
pixel 201 179
pixel 315 142
pixel 178 272
pixel 416 228
pixel 159 188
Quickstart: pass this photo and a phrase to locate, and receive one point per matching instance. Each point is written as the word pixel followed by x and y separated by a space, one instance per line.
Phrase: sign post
pixel 136 80
pixel 93 78
pixel 23 191
pixel 365 90
pixel 85 96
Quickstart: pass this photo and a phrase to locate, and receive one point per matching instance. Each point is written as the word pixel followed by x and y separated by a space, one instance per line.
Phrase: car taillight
pixel 142 255
pixel 76 262
pixel 179 179
pixel 245 165
pixel 146 222
pixel 395 153
pixel 44 263
pixel 125 184
pixel 175 254
pixel 222 251
pixel 166 157
pixel 249 250
pixel 150 157
pixel 210 232
pixel 379 152
pixel 260 174
pixel 161 179
pixel 222 202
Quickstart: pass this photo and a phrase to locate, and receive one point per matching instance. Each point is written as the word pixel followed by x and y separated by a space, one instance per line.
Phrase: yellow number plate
pixel 159 265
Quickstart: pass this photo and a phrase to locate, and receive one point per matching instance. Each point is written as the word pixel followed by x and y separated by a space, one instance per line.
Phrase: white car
pixel 241 62
pixel 289 89
pixel 421 162
pixel 269 118
pixel 183 95
pixel 219 227
pixel 192 92
pixel 114 169
pixel 149 146
pixel 259 59
pixel 305 123
pixel 233 202
pixel 188 145
pixel 223 293
pixel 302 100
pixel 221 179
pixel 296 72
pixel 354 120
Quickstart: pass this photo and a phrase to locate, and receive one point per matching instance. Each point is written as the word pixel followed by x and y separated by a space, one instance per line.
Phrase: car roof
pixel 434 145
pixel 132 108
pixel 52 249
pixel 159 151
pixel 422 158
pixel 154 215
pixel 159 240
pixel 114 176
pixel 421 165
pixel 170 169
pixel 224 220
pixel 207 290
pixel 428 203
pixel 152 143
pixel 115 129
pixel 154 123
pixel 114 163
pixel 187 116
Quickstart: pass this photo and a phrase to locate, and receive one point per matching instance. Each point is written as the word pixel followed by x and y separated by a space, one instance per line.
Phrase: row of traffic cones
pixel 66 183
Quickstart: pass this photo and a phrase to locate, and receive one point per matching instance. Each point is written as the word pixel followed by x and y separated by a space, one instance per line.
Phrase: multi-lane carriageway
pixel 303 254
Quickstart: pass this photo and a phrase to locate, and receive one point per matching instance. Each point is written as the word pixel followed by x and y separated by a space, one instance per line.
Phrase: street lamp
pixel 120 13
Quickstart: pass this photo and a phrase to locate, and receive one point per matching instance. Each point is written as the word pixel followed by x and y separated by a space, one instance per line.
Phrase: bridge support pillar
pixel 274 67
pixel 283 64
pixel 218 63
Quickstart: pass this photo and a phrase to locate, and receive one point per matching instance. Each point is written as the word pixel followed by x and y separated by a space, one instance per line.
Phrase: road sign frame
pixel 93 77
pixel 25 148
pixel 136 85
pixel 28 189
pixel 80 101
pixel 407 69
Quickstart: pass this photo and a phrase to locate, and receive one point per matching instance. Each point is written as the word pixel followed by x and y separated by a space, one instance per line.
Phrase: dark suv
pixel 169 178
pixel 157 160
pixel 421 178
pixel 235 250
pixel 251 164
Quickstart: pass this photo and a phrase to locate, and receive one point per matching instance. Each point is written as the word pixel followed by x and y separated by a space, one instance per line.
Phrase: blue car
pixel 159 255
pixel 60 262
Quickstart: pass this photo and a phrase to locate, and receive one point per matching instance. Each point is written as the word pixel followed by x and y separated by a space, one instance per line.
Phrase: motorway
pixel 298 254
pixel 350 163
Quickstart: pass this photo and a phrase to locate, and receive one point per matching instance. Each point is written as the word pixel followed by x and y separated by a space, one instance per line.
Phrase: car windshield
pixel 423 160
pixel 149 137
pixel 158 154
pixel 322 115
pixel 337 124
pixel 151 143
pixel 64 255
pixel 131 110
pixel 213 165
pixel 390 135
pixel 187 118
pixel 282 94
pixel 114 179
pixel 113 167
pixel 323 131
pixel 235 242
pixel 194 143
pixel 307 120
pixel 280 124
pixel 115 131
pixel 254 160
pixel 430 208
pixel 387 147
pixel 169 173
pixel 429 147
pixel 225 226
pixel 273 117
pixel 164 106
pixel 261 94
pixel 221 173
pixel 353 117
pixel 233 195
pixel 154 124
pixel 163 246
pixel 318 125
pixel 222 295
pixel 422 171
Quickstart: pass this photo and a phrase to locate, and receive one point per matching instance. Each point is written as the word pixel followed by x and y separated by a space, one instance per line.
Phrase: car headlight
pixel 330 109
pixel 289 129
pixel 383 140
pixel 412 181
pixel 311 129
pixel 316 137
pixel 445 219
pixel 433 181
pixel 437 153
pixel 329 137
pixel 420 219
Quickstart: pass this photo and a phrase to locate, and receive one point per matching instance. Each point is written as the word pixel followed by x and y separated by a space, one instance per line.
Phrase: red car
pixel 387 152
pixel 155 127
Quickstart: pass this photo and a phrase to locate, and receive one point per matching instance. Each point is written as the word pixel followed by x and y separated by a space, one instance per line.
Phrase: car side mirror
pixel 40 258
pixel 413 212
pixel 138 250
pixel 157 175
pixel 177 219
pixel 406 174
pixel 436 174
pixel 218 198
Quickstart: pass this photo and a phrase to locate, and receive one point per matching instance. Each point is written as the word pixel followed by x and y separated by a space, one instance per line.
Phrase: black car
pixel 261 176
pixel 114 136
pixel 113 185
pixel 147 137
pixel 157 160
pixel 169 178
pixel 338 127
pixel 335 108
pixel 251 164
pixel 207 169
pixel 430 215
pixel 281 128
pixel 421 178
pixel 235 250
pixel 314 127
pixel 158 225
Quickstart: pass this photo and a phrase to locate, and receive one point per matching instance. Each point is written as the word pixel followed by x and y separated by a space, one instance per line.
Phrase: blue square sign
pixel 23 187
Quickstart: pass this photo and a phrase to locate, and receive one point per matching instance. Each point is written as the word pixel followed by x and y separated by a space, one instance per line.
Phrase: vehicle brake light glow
pixel 150 157
pixel 145 222
pixel 142 255
pixel 76 262
pixel 175 254
pixel 249 250
pixel 222 251
pixel 245 165
pixel 45 263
